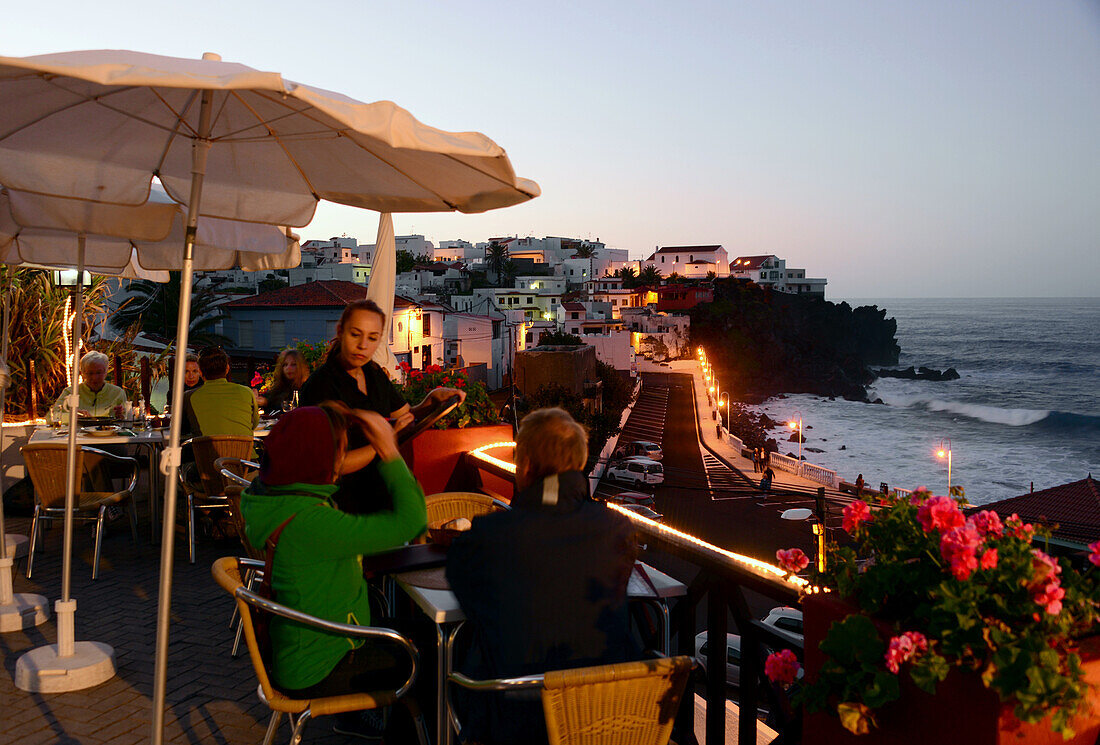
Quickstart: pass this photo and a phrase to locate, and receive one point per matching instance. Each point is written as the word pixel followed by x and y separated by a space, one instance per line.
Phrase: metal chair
pixel 46 464
pixel 210 492
pixel 631 703
pixel 227 574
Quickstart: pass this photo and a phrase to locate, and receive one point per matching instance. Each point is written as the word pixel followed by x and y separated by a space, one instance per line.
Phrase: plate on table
pixel 103 430
pixel 95 421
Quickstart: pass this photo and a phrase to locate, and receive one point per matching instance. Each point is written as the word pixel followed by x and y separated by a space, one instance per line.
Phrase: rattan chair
pixel 210 491
pixel 631 703
pixel 452 504
pixel 46 464
pixel 227 573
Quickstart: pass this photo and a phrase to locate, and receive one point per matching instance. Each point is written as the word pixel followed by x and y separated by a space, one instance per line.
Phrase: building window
pixel 427 324
pixel 244 334
pixel 278 334
pixel 400 326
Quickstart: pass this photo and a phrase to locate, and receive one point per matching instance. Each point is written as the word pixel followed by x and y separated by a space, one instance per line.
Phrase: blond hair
pixel 550 441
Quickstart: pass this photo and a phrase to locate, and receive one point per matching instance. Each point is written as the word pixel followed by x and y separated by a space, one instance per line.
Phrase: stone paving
pixel 211 697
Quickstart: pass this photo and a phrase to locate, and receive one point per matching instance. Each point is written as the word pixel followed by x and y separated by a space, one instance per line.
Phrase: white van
pixel 637 471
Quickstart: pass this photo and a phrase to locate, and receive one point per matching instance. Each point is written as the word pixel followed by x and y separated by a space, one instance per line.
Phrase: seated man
pixel 543 585
pixel 219 407
pixel 316 566
pixel 97 396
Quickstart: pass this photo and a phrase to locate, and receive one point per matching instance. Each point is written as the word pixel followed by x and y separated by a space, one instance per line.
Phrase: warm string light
pixel 67 336
pixel 746 561
pixel 480 454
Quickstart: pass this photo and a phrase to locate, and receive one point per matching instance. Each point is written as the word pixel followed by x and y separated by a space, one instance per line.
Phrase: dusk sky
pixel 917 149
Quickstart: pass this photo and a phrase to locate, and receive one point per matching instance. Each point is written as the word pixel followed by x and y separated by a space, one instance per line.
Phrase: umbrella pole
pixel 67 665
pixel 24 610
pixel 170 458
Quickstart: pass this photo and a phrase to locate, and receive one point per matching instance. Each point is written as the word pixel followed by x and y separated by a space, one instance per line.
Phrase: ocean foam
pixel 992 414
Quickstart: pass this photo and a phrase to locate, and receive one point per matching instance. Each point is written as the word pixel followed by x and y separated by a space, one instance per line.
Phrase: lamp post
pixel 945 452
pixel 725 404
pixel 797 427
pixel 802 513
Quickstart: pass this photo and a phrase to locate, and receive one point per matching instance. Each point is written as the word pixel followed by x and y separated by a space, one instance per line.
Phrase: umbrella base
pixel 43 670
pixel 25 611
pixel 17 545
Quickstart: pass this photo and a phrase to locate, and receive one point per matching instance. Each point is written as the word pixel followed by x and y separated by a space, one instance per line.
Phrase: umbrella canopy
pixel 99 124
pixel 383 277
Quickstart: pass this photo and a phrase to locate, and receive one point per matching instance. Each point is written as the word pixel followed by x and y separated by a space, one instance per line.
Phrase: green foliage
pixel 154 308
pixel 650 275
pixel 996 618
pixel 272 283
pixel 630 279
pixel 476 409
pixel 498 262
pixel 407 261
pixel 560 338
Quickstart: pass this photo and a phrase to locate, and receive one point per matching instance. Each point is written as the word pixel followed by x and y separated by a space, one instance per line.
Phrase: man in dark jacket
pixel 543 585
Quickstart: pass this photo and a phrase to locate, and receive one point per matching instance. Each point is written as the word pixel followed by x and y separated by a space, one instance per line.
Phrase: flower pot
pixel 435 457
pixel 961 711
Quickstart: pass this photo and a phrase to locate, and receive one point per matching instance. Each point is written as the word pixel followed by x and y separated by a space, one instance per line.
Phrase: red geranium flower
pixel 855 513
pixel 782 667
pixel 792 560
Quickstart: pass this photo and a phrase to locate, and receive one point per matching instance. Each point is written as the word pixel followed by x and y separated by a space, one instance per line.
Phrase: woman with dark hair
pixel 291 372
pixel 349 376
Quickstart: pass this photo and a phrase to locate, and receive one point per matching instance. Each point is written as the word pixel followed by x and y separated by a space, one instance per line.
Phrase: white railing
pixel 903 492
pixel 820 474
pixel 784 463
pixel 735 442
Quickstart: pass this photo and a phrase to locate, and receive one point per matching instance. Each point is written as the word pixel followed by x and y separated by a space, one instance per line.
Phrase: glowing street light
pixel 801 513
pixel 797 427
pixel 945 452
pixel 725 404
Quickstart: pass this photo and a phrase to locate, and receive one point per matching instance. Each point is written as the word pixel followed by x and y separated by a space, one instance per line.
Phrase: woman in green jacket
pixel 316 566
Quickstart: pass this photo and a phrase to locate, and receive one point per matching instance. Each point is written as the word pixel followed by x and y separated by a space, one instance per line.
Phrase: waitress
pixel 349 376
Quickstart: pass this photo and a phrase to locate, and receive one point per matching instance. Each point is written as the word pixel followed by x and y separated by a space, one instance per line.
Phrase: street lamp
pixel 802 513
pixel 797 427
pixel 726 404
pixel 945 452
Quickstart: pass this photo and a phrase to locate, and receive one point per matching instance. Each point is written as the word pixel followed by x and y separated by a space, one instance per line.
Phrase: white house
pixel 771 271
pixel 458 250
pixel 690 261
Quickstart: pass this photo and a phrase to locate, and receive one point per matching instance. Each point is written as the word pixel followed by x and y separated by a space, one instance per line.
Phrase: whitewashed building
pixel 690 261
pixel 771 271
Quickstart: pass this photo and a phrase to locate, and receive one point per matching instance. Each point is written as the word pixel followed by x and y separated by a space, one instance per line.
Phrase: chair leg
pixel 299 728
pixel 98 540
pixel 237 639
pixel 191 526
pixel 35 528
pixel 133 519
pixel 273 727
pixel 418 719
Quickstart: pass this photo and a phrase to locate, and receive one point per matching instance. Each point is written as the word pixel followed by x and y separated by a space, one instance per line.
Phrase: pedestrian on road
pixel 766 482
pixel 859 485
pixel 756 460
pixel 765 459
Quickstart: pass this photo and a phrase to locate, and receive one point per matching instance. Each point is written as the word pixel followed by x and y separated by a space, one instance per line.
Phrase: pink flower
pixel 989 559
pixel 988 523
pixel 257 379
pixel 1045 586
pixel 1018 528
pixel 903 648
pixel 782 667
pixel 792 560
pixel 1094 557
pixel 940 513
pixel 919 495
pixel 855 513
pixel 959 547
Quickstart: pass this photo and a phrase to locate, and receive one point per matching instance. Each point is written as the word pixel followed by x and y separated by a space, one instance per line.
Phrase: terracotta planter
pixel 961 711
pixel 434 457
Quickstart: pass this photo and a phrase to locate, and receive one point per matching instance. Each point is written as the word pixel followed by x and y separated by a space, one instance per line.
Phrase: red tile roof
pixel 749 262
pixel 572 306
pixel 325 293
pixel 1075 507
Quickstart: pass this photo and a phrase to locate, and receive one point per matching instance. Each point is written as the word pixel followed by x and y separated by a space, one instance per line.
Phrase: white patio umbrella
pixel 383 278
pixel 50 232
pixel 230 141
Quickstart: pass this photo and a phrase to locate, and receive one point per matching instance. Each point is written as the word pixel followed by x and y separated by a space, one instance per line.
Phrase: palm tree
pixel 585 251
pixel 155 308
pixel 674 278
pixel 497 261
pixel 711 276
pixel 650 275
pixel 628 276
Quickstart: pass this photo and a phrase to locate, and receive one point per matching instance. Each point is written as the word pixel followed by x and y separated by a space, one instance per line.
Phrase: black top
pixel 543 586
pixel 363 491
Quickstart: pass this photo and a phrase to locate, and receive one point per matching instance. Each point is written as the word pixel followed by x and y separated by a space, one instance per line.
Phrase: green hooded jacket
pixel 317 567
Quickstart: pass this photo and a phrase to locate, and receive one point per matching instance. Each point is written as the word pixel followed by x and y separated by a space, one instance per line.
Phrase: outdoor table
pixel 428 589
pixel 150 440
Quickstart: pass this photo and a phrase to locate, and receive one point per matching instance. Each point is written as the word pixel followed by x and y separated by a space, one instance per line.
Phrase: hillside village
pixel 476 306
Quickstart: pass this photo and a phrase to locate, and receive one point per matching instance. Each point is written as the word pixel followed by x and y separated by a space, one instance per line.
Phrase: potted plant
pixel 940 625
pixel 435 455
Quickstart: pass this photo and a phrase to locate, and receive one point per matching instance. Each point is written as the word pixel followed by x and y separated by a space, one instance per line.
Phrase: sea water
pixel 1025 413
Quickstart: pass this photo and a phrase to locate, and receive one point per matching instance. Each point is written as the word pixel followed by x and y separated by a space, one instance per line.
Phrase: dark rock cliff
pixel 762 343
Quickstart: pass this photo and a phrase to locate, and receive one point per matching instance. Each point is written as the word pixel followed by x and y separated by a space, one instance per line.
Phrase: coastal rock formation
pixel 763 343
pixel 922 373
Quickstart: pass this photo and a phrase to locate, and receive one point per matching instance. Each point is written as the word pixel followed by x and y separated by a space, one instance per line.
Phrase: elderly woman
pixel 316 565
pixel 350 377
pixel 97 396
pixel 291 371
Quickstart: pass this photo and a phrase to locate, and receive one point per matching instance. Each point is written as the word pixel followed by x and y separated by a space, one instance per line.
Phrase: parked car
pixel 641 509
pixel 787 621
pixel 643 448
pixel 733 656
pixel 637 471
pixel 632 497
